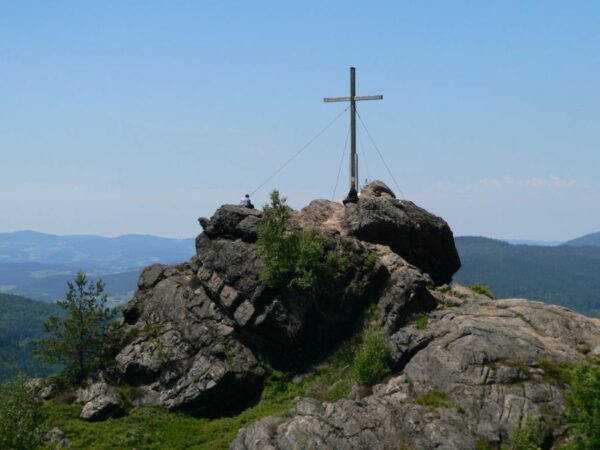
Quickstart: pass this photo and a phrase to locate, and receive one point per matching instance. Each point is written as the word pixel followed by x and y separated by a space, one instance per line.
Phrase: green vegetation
pixel 422 321
pixel 296 259
pixel 435 399
pixel 21 322
pixel 555 371
pixel 482 289
pixel 583 411
pixel 21 419
pixel 79 339
pixel 372 360
pixel 563 275
pixel 528 437
pixel 153 428
pixel 371 261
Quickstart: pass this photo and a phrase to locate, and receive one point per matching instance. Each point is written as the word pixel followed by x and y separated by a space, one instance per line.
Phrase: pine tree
pixel 78 338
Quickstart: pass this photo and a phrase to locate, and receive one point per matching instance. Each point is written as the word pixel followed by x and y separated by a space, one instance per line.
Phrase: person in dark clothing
pixel 246 202
pixel 352 197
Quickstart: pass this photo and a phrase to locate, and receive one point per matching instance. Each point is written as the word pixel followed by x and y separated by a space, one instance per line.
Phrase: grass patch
pixel 521 366
pixel 435 399
pixel 555 372
pixel 152 427
pixel 422 321
pixel 482 289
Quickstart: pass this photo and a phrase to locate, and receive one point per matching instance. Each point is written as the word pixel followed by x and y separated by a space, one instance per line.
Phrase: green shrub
pixel 435 399
pixel 372 360
pixel 371 261
pixel 20 415
pixel 482 289
pixel 555 372
pixel 583 410
pixel 422 321
pixel 297 259
pixel 527 437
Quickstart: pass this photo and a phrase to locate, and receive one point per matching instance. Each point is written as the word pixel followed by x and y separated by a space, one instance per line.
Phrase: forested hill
pixel 592 239
pixel 21 321
pixel 564 275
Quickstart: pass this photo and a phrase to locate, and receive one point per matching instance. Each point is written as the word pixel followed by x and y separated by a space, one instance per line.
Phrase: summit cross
pixel 353 99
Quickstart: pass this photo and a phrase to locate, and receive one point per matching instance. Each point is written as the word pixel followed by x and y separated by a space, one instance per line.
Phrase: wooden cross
pixel 353 99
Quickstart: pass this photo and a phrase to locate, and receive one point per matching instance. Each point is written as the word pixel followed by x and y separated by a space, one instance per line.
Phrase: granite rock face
pixel 196 330
pixel 186 354
pixel 490 361
pixel 100 401
pixel 416 235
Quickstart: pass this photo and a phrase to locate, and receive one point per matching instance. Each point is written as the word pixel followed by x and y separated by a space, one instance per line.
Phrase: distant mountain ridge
pixel 592 239
pixel 38 265
pixel 88 251
pixel 566 275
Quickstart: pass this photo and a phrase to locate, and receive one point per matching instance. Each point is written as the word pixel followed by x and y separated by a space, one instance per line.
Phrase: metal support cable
pixel 283 166
pixel 364 153
pixel 380 155
pixel 341 163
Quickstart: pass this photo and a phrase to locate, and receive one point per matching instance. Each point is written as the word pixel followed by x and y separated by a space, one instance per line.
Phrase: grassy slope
pixel 156 428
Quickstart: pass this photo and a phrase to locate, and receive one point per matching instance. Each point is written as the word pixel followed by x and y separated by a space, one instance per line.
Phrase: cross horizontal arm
pixel 356 98
pixel 337 99
pixel 368 97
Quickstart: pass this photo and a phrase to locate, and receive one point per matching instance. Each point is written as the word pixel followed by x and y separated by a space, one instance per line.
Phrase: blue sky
pixel 137 117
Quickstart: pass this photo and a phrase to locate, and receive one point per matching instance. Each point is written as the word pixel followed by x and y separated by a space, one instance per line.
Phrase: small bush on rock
pixel 435 399
pixel 527 437
pixel 482 289
pixel 371 261
pixel 21 416
pixel 299 260
pixel 372 360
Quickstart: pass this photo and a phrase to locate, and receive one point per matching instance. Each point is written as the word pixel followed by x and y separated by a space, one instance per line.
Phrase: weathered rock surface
pixel 416 235
pixel 196 330
pixel 187 354
pixel 57 437
pixel 100 401
pixel 488 357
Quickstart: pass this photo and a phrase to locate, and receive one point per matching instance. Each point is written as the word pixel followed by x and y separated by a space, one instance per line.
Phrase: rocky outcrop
pixel 490 365
pixel 416 235
pixel 196 330
pixel 100 401
pixel 186 353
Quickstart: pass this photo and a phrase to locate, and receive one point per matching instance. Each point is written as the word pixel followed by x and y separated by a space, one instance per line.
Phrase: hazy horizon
pixel 515 240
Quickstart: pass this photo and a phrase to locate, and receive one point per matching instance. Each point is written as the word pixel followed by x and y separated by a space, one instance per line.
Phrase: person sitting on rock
pixel 352 197
pixel 245 202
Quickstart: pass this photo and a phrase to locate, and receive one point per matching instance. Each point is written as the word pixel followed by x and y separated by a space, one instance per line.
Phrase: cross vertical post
pixel 353 162
pixel 353 99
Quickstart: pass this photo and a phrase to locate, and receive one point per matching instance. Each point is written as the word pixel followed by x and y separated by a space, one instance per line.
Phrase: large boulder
pixel 185 353
pixel 100 401
pixel 232 221
pixel 416 235
pixel 474 374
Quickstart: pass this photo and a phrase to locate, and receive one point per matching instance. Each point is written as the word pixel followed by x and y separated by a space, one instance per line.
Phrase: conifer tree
pixel 78 338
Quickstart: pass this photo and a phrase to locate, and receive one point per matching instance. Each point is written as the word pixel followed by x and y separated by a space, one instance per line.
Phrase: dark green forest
pixel 563 275
pixel 21 321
